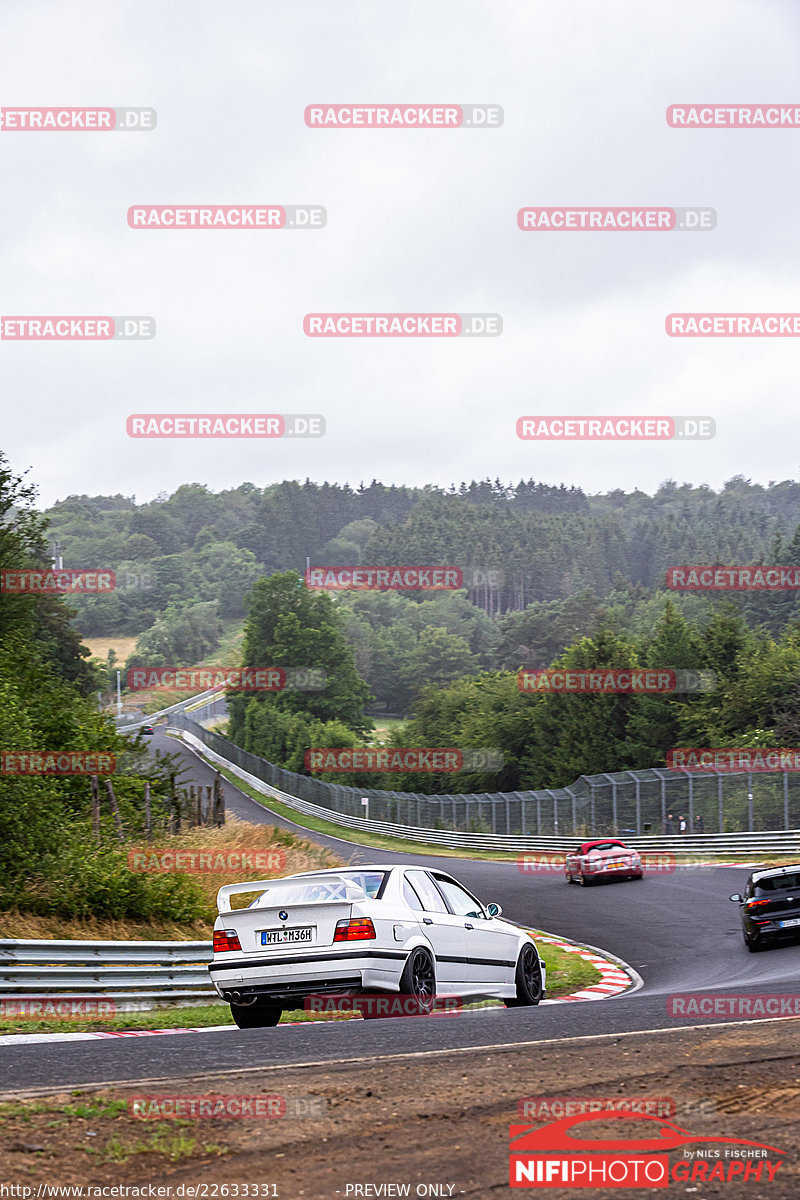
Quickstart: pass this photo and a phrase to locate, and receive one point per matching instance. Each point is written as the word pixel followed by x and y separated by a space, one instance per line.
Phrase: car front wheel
pixel 528 979
pixel 255 1016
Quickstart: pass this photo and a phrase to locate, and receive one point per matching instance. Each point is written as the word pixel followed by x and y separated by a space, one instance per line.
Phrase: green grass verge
pixel 566 973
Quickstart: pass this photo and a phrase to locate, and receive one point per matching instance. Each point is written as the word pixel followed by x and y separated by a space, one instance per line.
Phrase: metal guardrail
pixel 776 842
pixel 119 971
pixel 135 720
pixel 640 803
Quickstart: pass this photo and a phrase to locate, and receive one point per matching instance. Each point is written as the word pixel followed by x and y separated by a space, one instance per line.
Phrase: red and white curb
pixel 615 976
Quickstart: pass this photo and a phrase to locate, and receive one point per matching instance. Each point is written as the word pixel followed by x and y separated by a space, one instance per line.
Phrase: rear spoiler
pixel 351 889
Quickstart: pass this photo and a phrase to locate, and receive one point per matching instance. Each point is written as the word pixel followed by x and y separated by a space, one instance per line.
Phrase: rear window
pixel 607 846
pixel 776 883
pixel 426 891
pixel 320 888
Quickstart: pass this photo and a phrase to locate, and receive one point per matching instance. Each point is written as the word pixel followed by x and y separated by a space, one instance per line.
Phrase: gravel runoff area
pixel 437 1124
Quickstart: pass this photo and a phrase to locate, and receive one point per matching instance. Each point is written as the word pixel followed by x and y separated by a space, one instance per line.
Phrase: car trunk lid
pixel 290 913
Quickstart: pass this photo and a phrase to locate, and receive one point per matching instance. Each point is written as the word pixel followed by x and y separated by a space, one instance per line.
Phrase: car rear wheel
pixel 419 979
pixel 255 1016
pixel 753 942
pixel 528 979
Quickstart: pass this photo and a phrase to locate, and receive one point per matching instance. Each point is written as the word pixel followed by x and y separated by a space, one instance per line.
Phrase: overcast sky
pixel 417 221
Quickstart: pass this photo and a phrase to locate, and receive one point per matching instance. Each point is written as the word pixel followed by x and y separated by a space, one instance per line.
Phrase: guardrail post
pixel 493 807
pixel 574 812
pixel 592 817
pixel 719 803
pixel 785 799
pixel 638 807
pixel 750 801
pixel 690 826
pixel 663 803
pixel 614 805
pixel 539 815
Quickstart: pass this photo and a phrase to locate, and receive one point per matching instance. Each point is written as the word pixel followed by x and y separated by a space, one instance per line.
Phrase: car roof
pixel 771 872
pixel 359 867
pixel 608 841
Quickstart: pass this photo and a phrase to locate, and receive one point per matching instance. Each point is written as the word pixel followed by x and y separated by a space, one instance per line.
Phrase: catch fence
pixel 648 802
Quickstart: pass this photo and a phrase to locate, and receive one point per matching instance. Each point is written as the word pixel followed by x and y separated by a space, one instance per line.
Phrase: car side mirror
pixel 494 910
pixel 739 899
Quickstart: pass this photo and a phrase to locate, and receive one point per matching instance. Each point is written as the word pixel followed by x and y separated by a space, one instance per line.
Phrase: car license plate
pixel 284 937
pixel 786 924
pixel 617 862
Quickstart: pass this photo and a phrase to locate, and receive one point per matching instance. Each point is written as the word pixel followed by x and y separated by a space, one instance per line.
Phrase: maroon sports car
pixel 604 858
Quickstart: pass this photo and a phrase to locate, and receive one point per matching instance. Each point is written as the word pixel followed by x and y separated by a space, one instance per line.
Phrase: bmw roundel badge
pixel 283 914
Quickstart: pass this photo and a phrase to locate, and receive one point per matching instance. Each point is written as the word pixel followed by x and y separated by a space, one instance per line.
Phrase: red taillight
pixel 226 939
pixel 358 929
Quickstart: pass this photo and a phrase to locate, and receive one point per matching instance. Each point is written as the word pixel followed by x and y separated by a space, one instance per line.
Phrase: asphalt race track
pixel 679 932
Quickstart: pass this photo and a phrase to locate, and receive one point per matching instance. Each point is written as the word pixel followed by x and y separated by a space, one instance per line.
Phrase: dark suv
pixel 770 906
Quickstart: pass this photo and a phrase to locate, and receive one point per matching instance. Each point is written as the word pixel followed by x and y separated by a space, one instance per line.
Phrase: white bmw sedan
pixel 366 930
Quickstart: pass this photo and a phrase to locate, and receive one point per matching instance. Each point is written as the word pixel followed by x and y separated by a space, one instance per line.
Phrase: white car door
pixel 490 944
pixel 445 931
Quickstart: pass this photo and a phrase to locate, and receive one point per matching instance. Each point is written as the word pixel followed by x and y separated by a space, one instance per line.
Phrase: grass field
pixel 123 647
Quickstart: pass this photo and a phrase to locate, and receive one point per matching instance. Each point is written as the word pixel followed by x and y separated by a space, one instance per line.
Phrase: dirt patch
pixel 433 1119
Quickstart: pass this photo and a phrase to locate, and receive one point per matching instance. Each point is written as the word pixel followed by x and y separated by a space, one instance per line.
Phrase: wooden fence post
pixel 219 800
pixel 175 805
pixel 115 809
pixel 95 809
